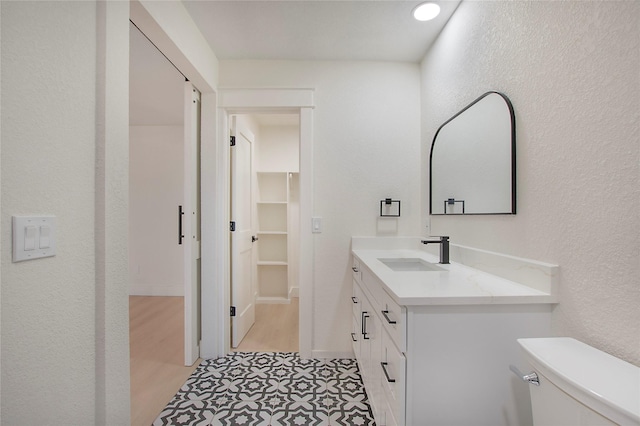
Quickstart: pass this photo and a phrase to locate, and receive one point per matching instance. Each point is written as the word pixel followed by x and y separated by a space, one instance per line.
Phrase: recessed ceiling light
pixel 426 11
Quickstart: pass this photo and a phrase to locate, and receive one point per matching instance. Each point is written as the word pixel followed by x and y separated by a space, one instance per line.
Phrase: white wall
pixel 64 120
pixel 156 187
pixel 65 334
pixel 571 70
pixel 366 148
pixel 278 149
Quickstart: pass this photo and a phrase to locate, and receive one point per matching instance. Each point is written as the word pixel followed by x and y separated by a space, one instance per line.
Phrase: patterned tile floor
pixel 277 389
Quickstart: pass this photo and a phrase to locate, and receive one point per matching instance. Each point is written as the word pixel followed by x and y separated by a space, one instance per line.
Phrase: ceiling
pixel 375 30
pixel 379 30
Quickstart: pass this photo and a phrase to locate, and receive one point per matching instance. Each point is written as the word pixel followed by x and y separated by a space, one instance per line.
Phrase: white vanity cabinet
pixel 381 363
pixel 441 363
pixel 368 347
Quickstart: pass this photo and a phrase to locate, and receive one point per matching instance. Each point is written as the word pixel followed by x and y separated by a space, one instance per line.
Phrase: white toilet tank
pixel 581 385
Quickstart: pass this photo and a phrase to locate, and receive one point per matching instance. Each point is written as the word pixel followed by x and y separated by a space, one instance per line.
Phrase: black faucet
pixel 444 248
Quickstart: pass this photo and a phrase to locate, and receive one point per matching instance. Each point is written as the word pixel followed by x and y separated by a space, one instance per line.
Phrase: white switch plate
pixel 316 225
pixel 20 224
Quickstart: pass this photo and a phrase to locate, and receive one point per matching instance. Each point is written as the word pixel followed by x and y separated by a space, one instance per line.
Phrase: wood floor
pixel 275 329
pixel 156 329
pixel 156 338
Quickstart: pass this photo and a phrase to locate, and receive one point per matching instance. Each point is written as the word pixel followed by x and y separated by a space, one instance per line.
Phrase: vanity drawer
pixel 372 287
pixel 394 320
pixel 355 268
pixel 393 379
pixel 356 299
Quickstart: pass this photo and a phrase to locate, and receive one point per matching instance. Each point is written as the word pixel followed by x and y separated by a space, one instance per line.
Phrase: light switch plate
pixel 316 225
pixel 34 240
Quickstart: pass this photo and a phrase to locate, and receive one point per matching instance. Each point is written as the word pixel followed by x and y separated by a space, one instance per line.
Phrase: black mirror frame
pixel 513 156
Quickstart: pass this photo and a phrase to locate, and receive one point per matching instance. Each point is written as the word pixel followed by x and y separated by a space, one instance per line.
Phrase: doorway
pixel 267 291
pixel 247 101
pixel 159 262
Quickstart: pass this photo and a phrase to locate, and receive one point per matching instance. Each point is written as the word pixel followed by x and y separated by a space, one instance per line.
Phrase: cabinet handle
pixel 386 316
pixel 354 299
pixel 384 369
pixel 353 337
pixel 354 269
pixel 365 315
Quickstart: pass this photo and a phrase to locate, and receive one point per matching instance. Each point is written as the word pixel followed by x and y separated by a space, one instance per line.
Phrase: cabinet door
pixel 370 355
pixel 393 377
pixel 386 415
pixel 365 343
pixel 356 337
pixel 356 327
pixel 394 320
pixel 376 394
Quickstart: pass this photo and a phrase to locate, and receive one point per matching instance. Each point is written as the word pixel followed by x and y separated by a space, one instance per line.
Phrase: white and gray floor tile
pixel 276 389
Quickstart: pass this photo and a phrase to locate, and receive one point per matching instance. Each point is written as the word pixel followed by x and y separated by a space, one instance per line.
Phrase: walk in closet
pixel 277 211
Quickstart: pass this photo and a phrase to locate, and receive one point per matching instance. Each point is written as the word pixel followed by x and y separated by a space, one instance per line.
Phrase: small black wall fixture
pixel 389 203
pixel 451 202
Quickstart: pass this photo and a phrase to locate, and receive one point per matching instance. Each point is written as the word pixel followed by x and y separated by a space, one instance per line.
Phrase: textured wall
pixel 572 71
pixel 366 148
pixel 48 129
pixel 64 139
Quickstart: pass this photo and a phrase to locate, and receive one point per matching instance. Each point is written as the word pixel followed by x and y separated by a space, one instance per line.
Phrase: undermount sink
pixel 401 264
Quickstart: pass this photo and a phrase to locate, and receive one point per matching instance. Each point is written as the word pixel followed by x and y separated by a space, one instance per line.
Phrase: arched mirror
pixel 473 160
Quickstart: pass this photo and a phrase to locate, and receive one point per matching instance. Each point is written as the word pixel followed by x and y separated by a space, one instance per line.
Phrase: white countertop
pixel 457 285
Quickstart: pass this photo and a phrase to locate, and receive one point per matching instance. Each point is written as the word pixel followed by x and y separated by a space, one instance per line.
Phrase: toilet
pixel 580 385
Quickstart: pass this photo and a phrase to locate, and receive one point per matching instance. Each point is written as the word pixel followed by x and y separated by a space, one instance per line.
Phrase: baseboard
pixel 156 290
pixel 294 292
pixel 332 355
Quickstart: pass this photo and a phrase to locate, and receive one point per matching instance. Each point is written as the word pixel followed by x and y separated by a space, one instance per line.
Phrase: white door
pixel 242 294
pixel 191 224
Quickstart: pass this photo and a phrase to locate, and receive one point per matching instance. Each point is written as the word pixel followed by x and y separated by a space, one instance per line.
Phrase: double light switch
pixel 33 237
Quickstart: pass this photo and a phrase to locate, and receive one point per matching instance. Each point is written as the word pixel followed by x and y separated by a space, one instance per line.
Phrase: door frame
pixel 168 27
pixel 191 220
pixel 247 101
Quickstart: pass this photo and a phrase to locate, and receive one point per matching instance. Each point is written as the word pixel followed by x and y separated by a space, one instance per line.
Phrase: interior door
pixel 242 294
pixel 191 221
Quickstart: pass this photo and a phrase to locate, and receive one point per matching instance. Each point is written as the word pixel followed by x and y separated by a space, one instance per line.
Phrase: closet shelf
pixel 274 300
pixel 271 263
pixel 275 194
